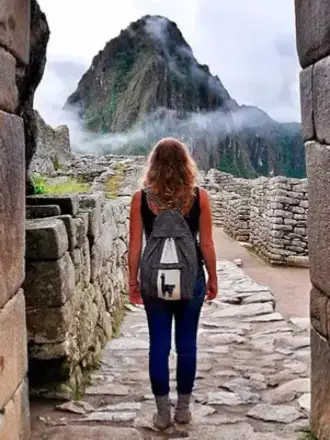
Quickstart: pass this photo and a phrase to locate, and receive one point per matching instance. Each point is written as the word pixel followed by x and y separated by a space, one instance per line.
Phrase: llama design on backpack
pixel 169 263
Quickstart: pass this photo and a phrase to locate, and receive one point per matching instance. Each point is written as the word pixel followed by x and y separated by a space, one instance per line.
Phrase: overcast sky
pixel 249 44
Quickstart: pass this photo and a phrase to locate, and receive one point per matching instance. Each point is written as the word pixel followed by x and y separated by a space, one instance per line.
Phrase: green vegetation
pixel 117 320
pixel 42 185
pixel 112 185
pixel 306 434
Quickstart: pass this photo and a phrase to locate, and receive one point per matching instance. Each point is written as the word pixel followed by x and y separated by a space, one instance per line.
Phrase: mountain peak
pixel 147 82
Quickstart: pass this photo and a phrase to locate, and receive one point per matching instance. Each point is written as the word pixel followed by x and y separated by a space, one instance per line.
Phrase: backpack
pixel 169 263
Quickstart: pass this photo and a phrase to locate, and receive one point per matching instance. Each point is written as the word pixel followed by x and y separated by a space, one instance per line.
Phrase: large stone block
pixel 8 90
pixel 71 230
pixel 93 205
pixel 49 283
pixel 318 169
pixel 319 311
pixel 42 211
pixel 69 204
pixel 12 205
pixel 97 258
pixel 15 17
pixel 313 30
pixel 306 103
pixel 46 239
pixel 320 384
pixel 16 416
pixel 47 326
pixel 321 97
pixel 13 347
pixel 49 351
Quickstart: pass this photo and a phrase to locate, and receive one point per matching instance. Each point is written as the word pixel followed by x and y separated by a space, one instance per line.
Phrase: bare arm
pixel 135 238
pixel 206 236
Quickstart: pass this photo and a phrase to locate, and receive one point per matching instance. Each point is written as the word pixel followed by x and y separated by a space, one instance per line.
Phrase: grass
pixel 112 185
pixel 43 186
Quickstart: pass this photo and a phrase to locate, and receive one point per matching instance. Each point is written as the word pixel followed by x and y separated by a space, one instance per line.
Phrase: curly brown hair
pixel 171 173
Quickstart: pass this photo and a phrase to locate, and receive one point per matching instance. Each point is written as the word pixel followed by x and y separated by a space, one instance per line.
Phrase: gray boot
pixel 162 419
pixel 182 412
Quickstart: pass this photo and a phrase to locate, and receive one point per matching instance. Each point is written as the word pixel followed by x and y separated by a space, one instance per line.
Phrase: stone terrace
pixel 252 382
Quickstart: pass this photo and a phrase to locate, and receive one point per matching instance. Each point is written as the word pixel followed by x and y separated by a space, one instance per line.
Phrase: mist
pixel 193 128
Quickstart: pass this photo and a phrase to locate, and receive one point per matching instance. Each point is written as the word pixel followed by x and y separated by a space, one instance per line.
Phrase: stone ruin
pixel 16 49
pixel 313 44
pixel 268 213
pixel 74 286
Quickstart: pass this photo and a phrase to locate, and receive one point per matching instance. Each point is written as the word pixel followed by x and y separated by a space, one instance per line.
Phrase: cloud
pixel 250 45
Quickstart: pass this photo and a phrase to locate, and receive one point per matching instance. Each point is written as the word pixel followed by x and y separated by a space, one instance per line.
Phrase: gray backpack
pixel 169 263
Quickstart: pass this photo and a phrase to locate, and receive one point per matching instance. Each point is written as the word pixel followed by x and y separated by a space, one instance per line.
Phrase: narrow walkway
pixel 252 382
pixel 290 285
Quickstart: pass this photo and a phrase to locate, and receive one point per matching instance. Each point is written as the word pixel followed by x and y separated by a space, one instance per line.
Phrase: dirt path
pixel 289 285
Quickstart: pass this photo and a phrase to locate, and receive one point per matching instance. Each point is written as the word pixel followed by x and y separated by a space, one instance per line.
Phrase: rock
pixel 94 432
pixel 53 149
pixel 46 239
pixel 223 419
pixel 42 211
pixel 223 338
pixel 247 310
pixel 306 99
pixel 8 90
pixel 288 391
pixel 224 398
pixel 270 317
pixel 302 323
pixel 109 417
pixel 49 283
pixel 29 77
pixel 108 390
pixel 128 344
pixel 318 159
pixel 305 402
pixel 12 206
pixel 238 431
pixel 69 204
pixel 124 406
pixel 319 311
pixel 293 342
pixel 238 262
pixel 47 326
pixel 259 298
pixel 76 407
pixel 274 413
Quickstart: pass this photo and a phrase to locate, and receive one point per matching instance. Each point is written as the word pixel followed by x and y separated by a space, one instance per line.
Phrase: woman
pixel 171 177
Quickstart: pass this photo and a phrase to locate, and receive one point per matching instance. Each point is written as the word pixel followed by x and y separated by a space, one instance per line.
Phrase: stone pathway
pixel 252 381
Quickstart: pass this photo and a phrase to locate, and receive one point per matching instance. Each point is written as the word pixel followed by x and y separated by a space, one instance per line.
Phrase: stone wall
pixel 278 220
pixel 232 213
pixel 313 44
pixel 76 259
pixel 270 213
pixel 14 54
pixel 230 197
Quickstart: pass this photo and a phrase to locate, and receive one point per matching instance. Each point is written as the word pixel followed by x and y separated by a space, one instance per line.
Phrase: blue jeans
pixel 186 315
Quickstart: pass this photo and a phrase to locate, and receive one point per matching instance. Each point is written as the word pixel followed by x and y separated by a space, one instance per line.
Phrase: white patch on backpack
pixel 169 280
pixel 169 254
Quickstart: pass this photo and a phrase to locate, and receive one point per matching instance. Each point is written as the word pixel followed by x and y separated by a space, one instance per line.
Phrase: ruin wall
pixel 76 263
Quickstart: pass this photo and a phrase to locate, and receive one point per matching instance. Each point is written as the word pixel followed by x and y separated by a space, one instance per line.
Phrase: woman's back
pixel 191 217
